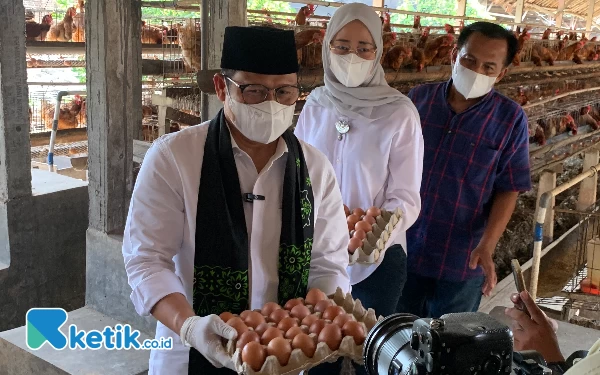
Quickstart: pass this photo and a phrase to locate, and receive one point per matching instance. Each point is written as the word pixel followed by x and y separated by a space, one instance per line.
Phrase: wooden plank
pixel 62 136
pixel 114 108
pixel 15 158
pixel 64 48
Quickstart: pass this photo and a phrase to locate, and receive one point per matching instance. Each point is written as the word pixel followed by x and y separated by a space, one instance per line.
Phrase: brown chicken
pixel 567 122
pixel 38 31
pixel 417 23
pixel 586 118
pixel 589 51
pixel 570 52
pixel 309 36
pixel 547 34
pixel 302 15
pixel 424 36
pixel 153 34
pixel 190 38
pixel 539 135
pixel 63 31
pixel 524 37
pixel 66 118
pixel 387 26
pixel 79 22
pixel 423 57
pixel 549 55
pixel 572 36
pixel 396 57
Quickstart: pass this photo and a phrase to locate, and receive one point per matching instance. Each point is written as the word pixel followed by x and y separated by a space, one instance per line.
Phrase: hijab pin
pixel 342 127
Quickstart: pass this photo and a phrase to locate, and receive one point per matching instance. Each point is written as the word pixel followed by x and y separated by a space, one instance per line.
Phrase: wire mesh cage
pixel 42 106
pixel 573 284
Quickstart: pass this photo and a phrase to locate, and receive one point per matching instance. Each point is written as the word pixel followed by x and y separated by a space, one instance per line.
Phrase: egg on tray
pixel 305 326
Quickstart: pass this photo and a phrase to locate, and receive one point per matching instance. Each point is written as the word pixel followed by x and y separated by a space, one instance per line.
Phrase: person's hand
pixel 482 255
pixel 516 299
pixel 535 332
pixel 204 334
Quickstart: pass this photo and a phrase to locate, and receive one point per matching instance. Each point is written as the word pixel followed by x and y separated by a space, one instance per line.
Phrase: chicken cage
pixel 573 285
pixel 42 106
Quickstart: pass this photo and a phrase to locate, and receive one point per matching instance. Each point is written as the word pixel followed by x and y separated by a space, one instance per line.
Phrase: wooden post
pixel 590 16
pixel 547 183
pixel 461 7
pixel 589 186
pixel 519 6
pixel 114 56
pixel 378 3
pixel 559 14
pixel 221 13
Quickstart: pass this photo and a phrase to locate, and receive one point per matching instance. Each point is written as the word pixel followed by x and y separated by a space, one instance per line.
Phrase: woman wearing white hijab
pixel 371 134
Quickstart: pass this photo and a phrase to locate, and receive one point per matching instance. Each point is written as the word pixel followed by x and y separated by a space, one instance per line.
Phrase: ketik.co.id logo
pixel 43 325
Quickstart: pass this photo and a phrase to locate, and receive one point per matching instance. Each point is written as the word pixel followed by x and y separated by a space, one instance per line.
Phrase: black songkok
pixel 261 50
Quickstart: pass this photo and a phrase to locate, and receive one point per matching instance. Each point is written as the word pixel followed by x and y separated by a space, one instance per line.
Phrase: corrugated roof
pixel 574 7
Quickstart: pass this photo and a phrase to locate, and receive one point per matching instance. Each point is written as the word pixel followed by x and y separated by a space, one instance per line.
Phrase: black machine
pixel 455 344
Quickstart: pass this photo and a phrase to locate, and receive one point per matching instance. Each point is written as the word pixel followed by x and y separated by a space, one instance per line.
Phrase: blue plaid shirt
pixel 468 157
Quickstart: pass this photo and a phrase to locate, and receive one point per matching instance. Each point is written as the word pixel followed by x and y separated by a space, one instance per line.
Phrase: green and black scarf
pixel 221 281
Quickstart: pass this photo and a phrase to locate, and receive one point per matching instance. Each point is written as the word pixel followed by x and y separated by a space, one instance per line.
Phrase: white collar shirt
pixel 376 164
pixel 159 239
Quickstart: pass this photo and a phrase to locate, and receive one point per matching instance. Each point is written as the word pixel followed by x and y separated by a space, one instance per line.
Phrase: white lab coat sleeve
pixel 330 246
pixel 403 188
pixel 154 230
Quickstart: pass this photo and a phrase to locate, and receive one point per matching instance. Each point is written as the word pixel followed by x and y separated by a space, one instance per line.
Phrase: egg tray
pixel 377 240
pixel 298 360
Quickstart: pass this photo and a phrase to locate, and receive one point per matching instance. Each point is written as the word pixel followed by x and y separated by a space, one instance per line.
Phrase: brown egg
pixel 369 219
pixel 309 320
pixel 261 328
pixel 360 234
pixel 331 312
pixel 322 305
pixel 358 212
pixel 277 315
pixel 374 211
pixel 331 335
pixel 246 337
pixel 286 323
pixel 314 295
pixel 317 326
pixel 300 312
pixel 363 225
pixel 341 319
pixel 280 348
pixel 289 305
pixel 356 330
pixel 354 244
pixel 305 343
pixel 225 316
pixel 254 319
pixel 244 314
pixel 352 220
pixel 269 307
pixel 239 326
pixel 346 210
pixel 293 332
pixel 254 355
pixel 270 334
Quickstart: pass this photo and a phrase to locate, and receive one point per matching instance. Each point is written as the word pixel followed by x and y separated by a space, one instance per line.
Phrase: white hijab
pixel 361 102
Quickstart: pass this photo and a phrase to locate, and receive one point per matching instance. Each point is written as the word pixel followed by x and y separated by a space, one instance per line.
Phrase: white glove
pixel 204 333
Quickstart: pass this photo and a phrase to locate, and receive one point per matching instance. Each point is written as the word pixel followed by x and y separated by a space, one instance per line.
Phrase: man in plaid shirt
pixel 476 163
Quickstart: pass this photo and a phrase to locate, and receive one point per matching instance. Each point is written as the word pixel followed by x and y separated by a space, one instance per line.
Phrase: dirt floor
pixel 517 240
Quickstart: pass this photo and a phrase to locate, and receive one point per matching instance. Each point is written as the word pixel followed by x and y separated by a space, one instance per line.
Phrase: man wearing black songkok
pixel 233 213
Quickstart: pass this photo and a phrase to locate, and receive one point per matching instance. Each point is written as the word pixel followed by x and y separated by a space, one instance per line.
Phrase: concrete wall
pixel 46 238
pixel 107 288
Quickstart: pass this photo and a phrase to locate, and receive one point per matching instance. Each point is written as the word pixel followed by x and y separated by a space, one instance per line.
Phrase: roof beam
pixel 461 9
pixel 590 15
pixel 519 7
pixel 559 14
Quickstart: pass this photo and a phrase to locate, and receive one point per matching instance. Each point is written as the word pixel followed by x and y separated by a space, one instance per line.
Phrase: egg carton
pixel 298 361
pixel 378 239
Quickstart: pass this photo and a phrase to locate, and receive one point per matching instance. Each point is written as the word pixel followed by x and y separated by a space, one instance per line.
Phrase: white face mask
pixel 263 122
pixel 351 70
pixel 471 84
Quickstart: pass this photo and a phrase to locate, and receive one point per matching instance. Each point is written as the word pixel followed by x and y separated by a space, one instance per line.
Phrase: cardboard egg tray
pixel 378 239
pixel 298 360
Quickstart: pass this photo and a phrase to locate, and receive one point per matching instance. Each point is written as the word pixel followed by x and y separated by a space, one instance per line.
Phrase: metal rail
pixel 545 201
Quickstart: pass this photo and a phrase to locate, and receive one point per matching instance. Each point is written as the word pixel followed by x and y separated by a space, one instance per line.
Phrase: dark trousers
pixel 381 292
pixel 426 297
